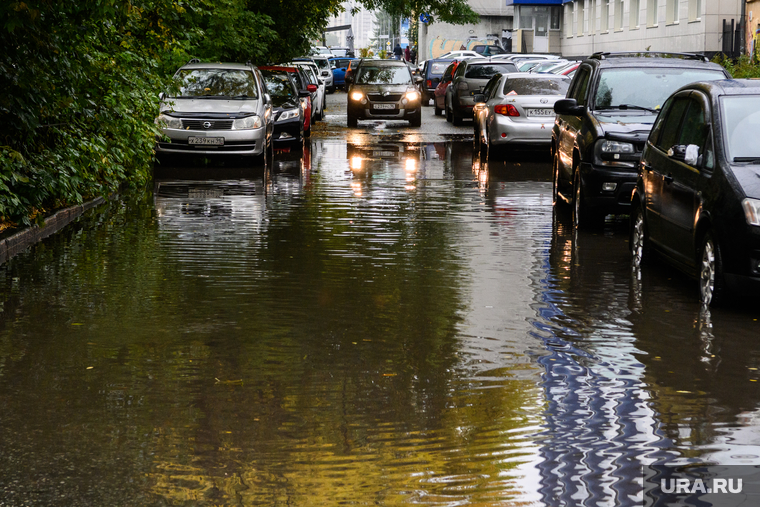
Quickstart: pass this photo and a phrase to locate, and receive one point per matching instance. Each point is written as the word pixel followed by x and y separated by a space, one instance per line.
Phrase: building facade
pixel 362 25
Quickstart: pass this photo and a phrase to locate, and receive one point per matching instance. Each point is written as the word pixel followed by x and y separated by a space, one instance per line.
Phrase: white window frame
pixel 604 20
pixel 569 15
pixel 652 13
pixel 695 10
pixel 671 16
pixel 634 14
pixel 618 15
pixel 580 12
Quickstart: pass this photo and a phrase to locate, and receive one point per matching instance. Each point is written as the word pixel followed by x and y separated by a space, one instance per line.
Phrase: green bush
pixel 741 68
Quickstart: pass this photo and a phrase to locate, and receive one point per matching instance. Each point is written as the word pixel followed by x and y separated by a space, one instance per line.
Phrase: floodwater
pixel 386 321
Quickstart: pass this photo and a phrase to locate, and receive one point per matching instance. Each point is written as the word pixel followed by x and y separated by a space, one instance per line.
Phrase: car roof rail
pixel 194 60
pixel 601 55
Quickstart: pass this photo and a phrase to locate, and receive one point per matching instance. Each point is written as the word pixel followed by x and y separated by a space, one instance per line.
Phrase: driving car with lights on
pixel 216 109
pixel 383 89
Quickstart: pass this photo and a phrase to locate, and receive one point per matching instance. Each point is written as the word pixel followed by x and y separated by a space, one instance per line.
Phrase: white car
pixel 460 55
pixel 527 56
pixel 325 71
pixel 312 74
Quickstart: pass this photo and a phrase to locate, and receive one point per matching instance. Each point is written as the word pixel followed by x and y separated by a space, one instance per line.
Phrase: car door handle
pixel 668 178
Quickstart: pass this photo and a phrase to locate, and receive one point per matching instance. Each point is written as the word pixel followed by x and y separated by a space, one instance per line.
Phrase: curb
pixel 21 240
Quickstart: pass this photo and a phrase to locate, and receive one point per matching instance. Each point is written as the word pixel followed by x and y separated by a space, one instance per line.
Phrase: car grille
pixel 198 124
pixel 378 97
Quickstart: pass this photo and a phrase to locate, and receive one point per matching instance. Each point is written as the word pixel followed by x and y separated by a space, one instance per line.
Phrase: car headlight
pixel 357 95
pixel 288 115
pixel 752 211
pixel 615 153
pixel 413 95
pixel 168 122
pixel 249 122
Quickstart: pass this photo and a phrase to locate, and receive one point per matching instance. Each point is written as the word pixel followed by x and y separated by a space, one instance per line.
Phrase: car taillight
pixel 506 110
pixel 429 83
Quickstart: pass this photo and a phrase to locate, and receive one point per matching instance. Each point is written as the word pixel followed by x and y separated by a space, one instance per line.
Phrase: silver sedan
pixel 517 109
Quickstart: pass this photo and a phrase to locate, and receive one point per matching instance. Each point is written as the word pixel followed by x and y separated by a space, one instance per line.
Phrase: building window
pixel 569 20
pixel 695 10
pixel 580 10
pixel 618 14
pixel 604 21
pixel 635 14
pixel 652 13
pixel 587 16
pixel 525 17
pixel 555 13
pixel 671 16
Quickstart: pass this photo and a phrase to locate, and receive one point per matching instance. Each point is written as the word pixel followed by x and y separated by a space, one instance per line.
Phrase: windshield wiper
pixel 630 106
pixel 244 96
pixel 755 160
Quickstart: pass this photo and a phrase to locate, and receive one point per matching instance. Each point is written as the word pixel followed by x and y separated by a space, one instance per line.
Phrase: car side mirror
pixel 689 154
pixel 304 93
pixel 267 98
pixel 161 96
pixel 478 98
pixel 418 79
pixel 311 88
pixel 569 107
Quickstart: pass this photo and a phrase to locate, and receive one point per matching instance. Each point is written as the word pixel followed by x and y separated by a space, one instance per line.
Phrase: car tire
pixel 639 241
pixel 424 99
pixel 583 217
pixel 449 115
pixel 712 288
pixel 556 199
pixel 438 111
pixel 351 119
pixel 456 120
pixel 416 120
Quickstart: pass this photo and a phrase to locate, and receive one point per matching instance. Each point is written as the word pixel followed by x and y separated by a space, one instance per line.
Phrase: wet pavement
pixel 387 320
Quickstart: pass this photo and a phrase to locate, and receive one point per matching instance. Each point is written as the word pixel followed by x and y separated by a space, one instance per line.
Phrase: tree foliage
pixel 79 81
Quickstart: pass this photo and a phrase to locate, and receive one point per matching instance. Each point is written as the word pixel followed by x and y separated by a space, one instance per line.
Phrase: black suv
pixel 603 123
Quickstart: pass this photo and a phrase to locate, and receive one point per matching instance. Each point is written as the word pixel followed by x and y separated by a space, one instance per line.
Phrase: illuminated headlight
pixel 616 147
pixel 412 96
pixel 357 95
pixel 752 211
pixel 288 115
pixel 168 122
pixel 249 122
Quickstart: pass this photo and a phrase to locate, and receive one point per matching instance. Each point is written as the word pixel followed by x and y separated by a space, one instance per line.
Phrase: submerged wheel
pixel 583 217
pixel 639 241
pixel 711 281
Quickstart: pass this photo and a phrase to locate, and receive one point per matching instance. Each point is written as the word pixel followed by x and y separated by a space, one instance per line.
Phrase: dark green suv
pixel 604 121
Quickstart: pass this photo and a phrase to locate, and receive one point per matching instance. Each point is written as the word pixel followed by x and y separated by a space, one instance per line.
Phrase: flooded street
pixel 387 320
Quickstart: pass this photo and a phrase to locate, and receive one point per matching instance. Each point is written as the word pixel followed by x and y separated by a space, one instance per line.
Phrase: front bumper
pixel 400 111
pixel 248 142
pixel 608 201
pixel 288 132
pixel 506 131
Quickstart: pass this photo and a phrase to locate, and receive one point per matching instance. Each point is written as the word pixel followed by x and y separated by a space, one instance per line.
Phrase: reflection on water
pixel 374 322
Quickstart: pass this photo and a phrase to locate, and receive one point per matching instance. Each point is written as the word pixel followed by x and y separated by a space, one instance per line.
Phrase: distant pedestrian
pixel 397 52
pixel 414 55
pixel 407 54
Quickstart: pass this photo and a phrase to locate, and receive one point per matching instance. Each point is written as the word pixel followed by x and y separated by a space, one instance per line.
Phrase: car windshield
pixel 395 75
pixel 278 85
pixel 646 87
pixel 536 86
pixel 488 70
pixel 741 121
pixel 222 83
pixel 437 68
pixel 322 63
pixel 526 66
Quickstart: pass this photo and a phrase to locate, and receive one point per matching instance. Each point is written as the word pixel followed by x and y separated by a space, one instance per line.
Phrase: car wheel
pixel 583 217
pixel 438 110
pixel 352 121
pixel 711 281
pixel 449 115
pixel 639 241
pixel 416 121
pixel 556 199
pixel 456 120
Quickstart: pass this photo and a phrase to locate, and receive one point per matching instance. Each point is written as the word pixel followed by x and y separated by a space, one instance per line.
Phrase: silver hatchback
pixel 216 109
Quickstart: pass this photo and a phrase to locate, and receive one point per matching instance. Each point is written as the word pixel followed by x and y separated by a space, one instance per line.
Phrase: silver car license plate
pixel 540 112
pixel 213 141
pixel 383 106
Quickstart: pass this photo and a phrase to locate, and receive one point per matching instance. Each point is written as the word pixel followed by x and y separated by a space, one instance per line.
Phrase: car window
pixel 278 85
pixel 322 64
pixel 383 75
pixel 449 71
pixel 580 87
pixel 487 70
pixel 741 123
pixel 437 68
pixel 523 86
pixel 646 86
pixel 672 124
pixel 493 85
pixel 216 83
pixel 459 71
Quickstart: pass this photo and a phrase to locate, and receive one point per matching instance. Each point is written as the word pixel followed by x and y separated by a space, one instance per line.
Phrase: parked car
pixel 548 66
pixel 339 51
pixel 288 114
pixel 439 95
pixel 431 75
pixel 219 109
pixel 469 79
pixel 339 67
pixel 527 65
pixel 383 89
pixel 488 50
pixel 515 57
pixel 567 70
pixel 460 55
pixel 306 92
pixel 602 125
pixel 312 76
pixel 321 50
pixel 697 196
pixel 517 109
pixel 325 71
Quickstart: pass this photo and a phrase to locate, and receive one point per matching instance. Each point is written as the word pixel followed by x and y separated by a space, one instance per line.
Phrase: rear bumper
pixel 507 131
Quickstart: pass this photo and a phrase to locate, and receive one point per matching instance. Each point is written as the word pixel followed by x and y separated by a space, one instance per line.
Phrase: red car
pixel 439 95
pixel 304 92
